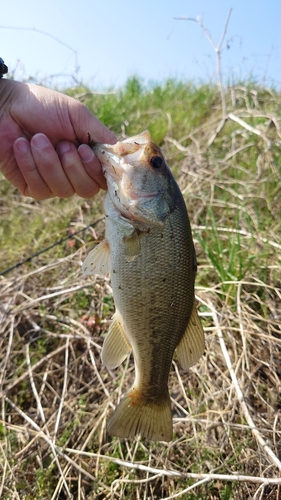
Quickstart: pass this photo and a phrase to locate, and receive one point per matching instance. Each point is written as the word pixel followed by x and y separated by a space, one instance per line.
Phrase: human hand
pixel 43 136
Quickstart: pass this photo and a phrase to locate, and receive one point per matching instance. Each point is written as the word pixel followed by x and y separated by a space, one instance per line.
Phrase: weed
pixel 56 400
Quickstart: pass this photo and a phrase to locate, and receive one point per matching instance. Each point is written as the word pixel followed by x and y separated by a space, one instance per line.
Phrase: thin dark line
pixel 28 259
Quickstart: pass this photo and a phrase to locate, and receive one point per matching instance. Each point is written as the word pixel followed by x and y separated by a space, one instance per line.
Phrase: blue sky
pixel 113 39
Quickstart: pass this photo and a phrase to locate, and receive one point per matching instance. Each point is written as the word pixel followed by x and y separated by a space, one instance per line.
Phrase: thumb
pixel 86 124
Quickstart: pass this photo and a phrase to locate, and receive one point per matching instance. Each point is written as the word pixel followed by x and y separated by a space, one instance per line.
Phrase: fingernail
pixel 40 141
pixel 22 145
pixel 63 147
pixel 86 154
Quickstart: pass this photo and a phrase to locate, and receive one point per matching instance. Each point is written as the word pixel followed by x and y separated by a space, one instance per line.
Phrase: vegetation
pixel 56 394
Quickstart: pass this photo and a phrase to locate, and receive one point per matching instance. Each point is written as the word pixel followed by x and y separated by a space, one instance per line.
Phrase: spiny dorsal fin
pixel 98 260
pixel 192 344
pixel 115 347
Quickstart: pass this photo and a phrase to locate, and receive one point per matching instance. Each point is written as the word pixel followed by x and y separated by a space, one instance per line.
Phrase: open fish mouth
pixel 137 151
pixel 115 171
pixel 140 184
pixel 115 158
pixel 127 168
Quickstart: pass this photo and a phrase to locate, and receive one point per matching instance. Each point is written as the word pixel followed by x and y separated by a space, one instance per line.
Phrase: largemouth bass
pixel 148 251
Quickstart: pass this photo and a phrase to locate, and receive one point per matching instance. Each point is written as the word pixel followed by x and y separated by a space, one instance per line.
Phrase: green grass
pixel 232 191
pixel 171 107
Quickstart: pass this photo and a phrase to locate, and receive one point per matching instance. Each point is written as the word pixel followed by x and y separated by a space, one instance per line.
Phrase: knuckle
pixel 66 191
pixel 88 193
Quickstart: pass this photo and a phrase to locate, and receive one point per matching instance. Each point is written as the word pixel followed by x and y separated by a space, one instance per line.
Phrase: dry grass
pixel 56 394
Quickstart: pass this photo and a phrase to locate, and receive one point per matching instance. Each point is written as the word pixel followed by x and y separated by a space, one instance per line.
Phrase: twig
pixel 63 389
pixel 173 473
pixel 217 131
pixel 272 457
pixel 7 466
pixel 259 492
pixel 194 485
pixel 45 437
pixel 236 151
pixel 173 141
pixel 31 302
pixel 93 361
pixel 41 32
pixel 33 386
pixel 8 351
pixel 243 233
pixel 246 125
pixel 217 49
pixel 36 365
pixel 4 468
pixel 42 415
pixel 242 332
pixel 59 450
pixel 134 481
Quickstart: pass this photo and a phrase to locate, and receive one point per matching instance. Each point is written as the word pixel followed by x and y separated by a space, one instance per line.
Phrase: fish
pixel 149 252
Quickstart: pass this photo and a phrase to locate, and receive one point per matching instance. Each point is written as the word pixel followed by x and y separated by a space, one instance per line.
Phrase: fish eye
pixel 156 162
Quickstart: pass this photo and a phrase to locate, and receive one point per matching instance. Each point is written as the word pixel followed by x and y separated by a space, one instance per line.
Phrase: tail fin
pixel 134 415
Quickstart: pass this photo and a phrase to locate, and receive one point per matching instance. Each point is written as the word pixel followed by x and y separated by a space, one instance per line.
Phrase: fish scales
pixel 153 295
pixel 152 264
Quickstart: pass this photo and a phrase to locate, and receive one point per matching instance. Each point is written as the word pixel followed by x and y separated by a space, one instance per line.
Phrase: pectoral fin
pixel 98 260
pixel 115 347
pixel 192 344
pixel 132 246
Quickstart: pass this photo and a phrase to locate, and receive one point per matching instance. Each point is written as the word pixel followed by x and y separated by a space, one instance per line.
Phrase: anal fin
pixel 115 347
pixel 192 344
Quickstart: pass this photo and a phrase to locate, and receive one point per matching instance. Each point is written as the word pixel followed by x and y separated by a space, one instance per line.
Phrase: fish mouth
pixel 138 186
pixel 117 159
pixel 111 165
pixel 135 151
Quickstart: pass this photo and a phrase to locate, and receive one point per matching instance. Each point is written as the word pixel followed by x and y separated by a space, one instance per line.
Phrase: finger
pixel 84 185
pixel 50 167
pixel 11 171
pixel 33 184
pixel 92 165
pixel 84 122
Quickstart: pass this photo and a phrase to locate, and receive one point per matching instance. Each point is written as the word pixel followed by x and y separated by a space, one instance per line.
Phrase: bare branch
pixel 76 68
pixel 272 457
pixel 217 49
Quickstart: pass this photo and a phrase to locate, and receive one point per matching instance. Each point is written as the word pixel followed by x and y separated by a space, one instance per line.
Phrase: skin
pixel 43 142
